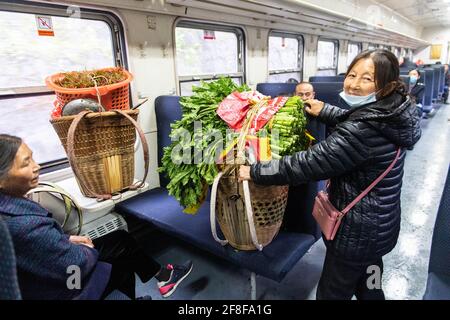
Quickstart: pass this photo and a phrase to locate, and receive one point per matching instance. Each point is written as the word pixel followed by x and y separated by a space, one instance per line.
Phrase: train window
pixel 353 50
pixel 327 57
pixel 410 54
pixel 372 46
pixel 206 52
pixel 396 52
pixel 285 57
pixel 79 43
pixel 402 52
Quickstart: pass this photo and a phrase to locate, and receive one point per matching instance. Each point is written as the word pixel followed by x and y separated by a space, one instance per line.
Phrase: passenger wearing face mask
pixel 366 140
pixel 416 89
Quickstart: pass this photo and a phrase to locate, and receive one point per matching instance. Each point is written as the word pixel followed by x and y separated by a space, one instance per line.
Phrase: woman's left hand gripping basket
pixel 99 144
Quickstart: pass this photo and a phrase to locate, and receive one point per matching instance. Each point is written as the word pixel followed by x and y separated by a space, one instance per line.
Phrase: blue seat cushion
pixel 164 212
pixel 438 287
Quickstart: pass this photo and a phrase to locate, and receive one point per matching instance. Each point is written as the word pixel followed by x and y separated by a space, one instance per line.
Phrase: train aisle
pixel 406 267
pixel 425 172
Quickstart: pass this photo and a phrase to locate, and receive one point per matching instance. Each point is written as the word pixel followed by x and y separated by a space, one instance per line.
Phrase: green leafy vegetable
pixel 290 121
pixel 188 178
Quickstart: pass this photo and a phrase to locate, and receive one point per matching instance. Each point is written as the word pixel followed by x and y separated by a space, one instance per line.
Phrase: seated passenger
pixel 416 89
pixel 44 252
pixel 305 90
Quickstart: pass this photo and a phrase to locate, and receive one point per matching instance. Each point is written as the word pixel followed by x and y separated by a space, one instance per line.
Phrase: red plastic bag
pixel 266 113
pixel 233 109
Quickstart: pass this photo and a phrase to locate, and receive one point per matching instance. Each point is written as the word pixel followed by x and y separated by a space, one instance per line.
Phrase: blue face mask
pixel 413 80
pixel 356 101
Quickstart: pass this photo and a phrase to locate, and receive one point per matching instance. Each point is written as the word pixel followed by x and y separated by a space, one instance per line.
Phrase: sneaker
pixel 177 274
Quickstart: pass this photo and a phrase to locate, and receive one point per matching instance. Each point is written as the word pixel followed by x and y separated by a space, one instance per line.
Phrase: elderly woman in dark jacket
pixel 363 144
pixel 45 255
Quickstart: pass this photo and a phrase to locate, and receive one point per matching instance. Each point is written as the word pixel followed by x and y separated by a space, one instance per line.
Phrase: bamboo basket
pixel 249 215
pixel 268 204
pixel 100 148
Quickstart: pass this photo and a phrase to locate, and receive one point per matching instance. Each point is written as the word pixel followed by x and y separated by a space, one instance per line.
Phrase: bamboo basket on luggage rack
pixel 100 148
pixel 248 214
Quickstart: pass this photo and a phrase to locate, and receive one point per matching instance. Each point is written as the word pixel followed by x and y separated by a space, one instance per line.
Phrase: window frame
pixel 206 25
pixel 301 52
pixel 396 52
pixel 402 52
pixel 58 10
pixel 410 54
pixel 360 47
pixel 336 54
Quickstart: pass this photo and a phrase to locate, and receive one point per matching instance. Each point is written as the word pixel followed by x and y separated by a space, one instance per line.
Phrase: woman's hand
pixel 244 173
pixel 313 107
pixel 81 240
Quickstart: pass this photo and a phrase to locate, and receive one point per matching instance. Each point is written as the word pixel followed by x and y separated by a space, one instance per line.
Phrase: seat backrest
pixel 276 89
pixel 440 245
pixel 428 81
pixel 328 92
pixel 9 285
pixel 441 69
pixel 327 79
pixel 405 79
pixel 168 110
pixel 436 82
pixel 405 70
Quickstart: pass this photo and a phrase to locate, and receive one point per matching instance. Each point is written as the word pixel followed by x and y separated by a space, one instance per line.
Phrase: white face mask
pixel 356 101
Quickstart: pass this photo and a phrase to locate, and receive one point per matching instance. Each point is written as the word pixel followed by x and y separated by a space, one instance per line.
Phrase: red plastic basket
pixel 113 96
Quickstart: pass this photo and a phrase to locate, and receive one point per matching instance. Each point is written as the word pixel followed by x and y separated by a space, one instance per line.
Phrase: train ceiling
pixel 316 20
pixel 426 13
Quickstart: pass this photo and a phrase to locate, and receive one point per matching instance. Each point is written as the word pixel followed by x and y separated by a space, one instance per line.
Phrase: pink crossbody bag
pixel 328 217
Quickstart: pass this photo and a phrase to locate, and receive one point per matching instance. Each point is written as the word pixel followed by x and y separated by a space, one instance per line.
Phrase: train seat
pixel 157 207
pixel 316 79
pixel 438 283
pixel 9 285
pixel 429 84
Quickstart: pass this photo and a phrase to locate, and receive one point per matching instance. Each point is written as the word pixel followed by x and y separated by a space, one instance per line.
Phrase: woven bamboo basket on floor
pixel 101 152
pixel 268 205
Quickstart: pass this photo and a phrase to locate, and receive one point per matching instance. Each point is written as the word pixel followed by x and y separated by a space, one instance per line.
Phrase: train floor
pixel 406 266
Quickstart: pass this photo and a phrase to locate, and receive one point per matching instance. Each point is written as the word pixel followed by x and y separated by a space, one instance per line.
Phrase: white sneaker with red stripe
pixel 177 274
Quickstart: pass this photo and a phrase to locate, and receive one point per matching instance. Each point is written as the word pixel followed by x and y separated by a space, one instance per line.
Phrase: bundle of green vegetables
pixel 290 121
pixel 189 178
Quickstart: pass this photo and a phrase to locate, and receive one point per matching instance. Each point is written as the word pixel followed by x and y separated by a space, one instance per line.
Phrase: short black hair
pixel 9 145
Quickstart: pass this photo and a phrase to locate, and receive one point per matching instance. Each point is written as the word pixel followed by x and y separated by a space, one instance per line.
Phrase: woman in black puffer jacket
pixel 363 144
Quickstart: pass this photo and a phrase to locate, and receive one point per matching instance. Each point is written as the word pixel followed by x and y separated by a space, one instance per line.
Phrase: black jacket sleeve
pixel 417 92
pixel 329 114
pixel 341 152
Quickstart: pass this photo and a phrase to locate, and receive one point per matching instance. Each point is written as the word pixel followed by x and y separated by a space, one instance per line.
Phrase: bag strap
pixel 71 151
pixel 144 150
pixel 50 187
pixel 365 192
pixel 212 211
pixel 251 224
pixel 248 207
